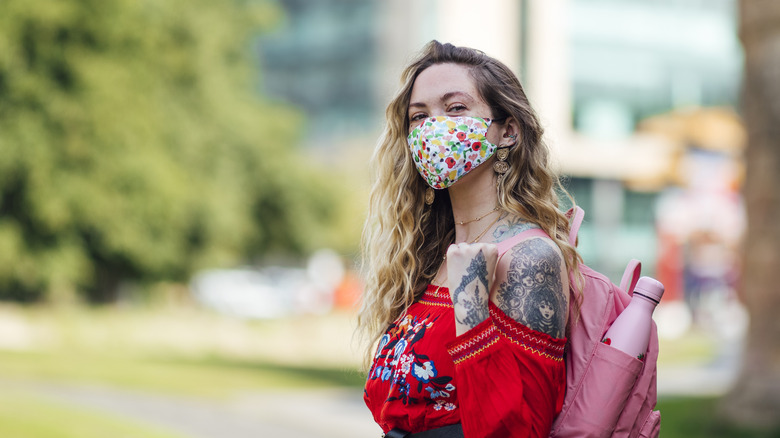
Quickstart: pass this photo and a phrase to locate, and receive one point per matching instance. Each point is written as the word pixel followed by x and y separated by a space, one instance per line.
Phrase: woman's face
pixel 546 310
pixel 447 90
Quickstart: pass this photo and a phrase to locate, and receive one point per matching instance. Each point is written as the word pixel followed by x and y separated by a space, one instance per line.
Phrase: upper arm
pixel 532 286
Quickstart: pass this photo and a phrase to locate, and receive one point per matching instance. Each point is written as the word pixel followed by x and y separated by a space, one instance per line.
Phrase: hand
pixel 470 272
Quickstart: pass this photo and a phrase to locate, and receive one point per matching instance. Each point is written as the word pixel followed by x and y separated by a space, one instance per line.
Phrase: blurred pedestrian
pixel 468 311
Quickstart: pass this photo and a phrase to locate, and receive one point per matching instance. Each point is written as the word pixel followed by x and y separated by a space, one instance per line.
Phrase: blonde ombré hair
pixel 404 239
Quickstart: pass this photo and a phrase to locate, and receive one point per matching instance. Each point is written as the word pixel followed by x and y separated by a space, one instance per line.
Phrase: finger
pixel 461 247
pixel 487 247
pixel 489 250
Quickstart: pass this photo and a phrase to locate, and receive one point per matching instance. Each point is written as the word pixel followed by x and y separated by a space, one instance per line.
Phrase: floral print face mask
pixel 447 148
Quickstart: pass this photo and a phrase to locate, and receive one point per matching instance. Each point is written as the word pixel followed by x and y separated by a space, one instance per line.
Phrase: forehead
pixel 439 79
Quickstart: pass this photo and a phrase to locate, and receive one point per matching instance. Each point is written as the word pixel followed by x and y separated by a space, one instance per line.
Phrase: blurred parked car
pixel 271 292
pixel 247 292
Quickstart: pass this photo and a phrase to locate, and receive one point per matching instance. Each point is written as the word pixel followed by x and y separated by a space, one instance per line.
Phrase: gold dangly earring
pixel 500 166
pixel 502 153
pixel 429 196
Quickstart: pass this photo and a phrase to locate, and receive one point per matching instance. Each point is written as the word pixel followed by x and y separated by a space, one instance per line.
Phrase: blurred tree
pixel 133 146
pixel 755 398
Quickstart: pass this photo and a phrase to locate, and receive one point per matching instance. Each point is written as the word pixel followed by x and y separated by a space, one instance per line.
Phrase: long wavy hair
pixel 404 239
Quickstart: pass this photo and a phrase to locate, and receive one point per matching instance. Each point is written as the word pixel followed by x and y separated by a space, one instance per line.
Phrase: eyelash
pixel 420 116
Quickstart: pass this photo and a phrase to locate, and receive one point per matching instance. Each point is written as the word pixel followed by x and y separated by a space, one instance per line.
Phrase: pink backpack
pixel 608 392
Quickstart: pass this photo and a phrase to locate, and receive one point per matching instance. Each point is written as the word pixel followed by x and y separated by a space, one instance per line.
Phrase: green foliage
pixel 133 145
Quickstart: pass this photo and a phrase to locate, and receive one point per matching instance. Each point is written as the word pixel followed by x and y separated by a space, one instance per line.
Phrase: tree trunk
pixel 755 398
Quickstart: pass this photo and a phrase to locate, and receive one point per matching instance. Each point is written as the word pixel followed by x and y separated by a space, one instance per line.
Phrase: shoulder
pixel 533 254
pixel 532 285
pixel 510 226
pixel 542 248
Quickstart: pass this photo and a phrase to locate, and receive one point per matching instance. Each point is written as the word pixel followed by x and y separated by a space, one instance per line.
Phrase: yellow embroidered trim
pixel 476 352
pixel 544 346
pixel 476 344
pixel 532 343
pixel 432 303
pixel 535 350
pixel 436 296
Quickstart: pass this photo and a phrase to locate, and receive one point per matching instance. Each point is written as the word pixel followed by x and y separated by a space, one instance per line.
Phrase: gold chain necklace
pixel 486 229
pixel 477 219
pixel 480 234
pixel 443 259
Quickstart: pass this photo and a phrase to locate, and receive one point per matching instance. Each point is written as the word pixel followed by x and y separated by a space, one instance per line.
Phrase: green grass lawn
pixel 698 417
pixel 206 377
pixel 177 350
pixel 25 416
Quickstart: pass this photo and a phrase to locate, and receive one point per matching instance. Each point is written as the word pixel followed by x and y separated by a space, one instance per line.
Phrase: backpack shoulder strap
pixel 505 245
pixel 631 276
pixel 576 214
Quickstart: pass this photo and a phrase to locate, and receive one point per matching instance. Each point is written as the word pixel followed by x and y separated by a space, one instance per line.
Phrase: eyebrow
pixel 444 98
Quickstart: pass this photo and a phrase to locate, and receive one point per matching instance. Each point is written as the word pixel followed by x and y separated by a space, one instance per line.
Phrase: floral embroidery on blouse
pixel 413 376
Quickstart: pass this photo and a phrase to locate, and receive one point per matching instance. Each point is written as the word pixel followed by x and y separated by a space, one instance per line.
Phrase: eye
pixel 417 118
pixel 456 108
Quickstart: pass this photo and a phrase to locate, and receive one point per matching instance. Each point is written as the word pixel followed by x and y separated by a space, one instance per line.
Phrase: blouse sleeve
pixel 511 379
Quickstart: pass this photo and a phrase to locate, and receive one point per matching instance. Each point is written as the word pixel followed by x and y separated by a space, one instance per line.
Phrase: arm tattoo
pixel 471 308
pixel 533 293
pixel 512 227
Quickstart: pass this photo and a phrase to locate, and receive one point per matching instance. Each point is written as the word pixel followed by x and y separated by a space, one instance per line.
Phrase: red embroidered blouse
pixel 499 379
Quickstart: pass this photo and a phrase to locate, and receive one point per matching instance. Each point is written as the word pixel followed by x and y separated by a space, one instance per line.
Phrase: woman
pixel 469 343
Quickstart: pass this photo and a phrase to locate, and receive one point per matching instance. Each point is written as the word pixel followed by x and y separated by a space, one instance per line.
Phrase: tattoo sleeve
pixel 533 294
pixel 470 298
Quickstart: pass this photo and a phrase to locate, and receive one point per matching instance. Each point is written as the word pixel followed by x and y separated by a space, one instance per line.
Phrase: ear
pixel 510 133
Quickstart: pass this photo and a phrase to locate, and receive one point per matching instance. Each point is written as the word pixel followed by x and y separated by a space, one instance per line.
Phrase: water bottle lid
pixel 650 287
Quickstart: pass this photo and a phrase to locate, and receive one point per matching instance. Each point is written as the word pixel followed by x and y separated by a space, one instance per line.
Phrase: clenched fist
pixel 470 272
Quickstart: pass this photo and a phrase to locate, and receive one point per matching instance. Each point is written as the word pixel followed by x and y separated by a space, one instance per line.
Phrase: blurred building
pixel 627 90
pixel 631 61
pixel 323 59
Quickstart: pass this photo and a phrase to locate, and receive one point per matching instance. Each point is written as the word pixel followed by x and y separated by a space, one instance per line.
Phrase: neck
pixel 471 200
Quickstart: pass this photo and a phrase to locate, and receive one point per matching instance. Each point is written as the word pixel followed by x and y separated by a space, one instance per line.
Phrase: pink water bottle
pixel 630 332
